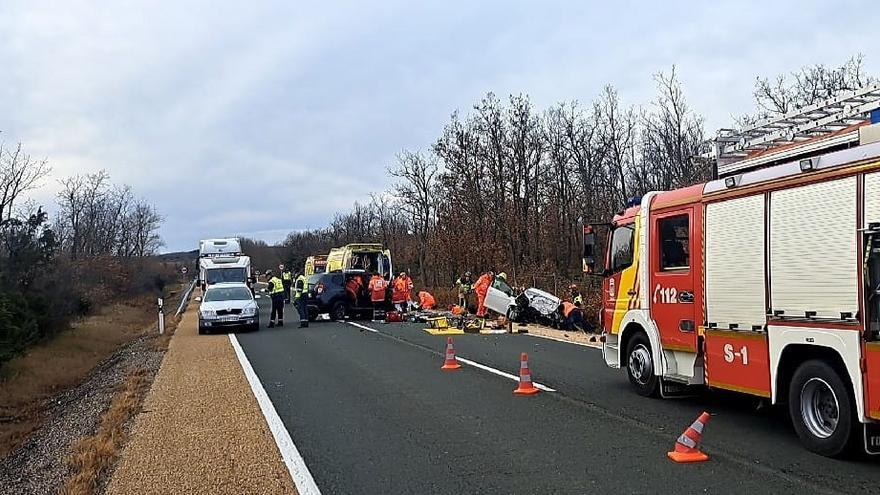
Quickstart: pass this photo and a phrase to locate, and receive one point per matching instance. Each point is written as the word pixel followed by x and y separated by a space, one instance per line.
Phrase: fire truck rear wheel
pixel 640 365
pixel 821 409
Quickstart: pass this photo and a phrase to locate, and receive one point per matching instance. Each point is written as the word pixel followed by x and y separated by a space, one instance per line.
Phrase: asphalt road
pixel 372 413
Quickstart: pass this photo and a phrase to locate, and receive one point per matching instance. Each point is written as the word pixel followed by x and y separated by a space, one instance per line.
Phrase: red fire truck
pixel 765 281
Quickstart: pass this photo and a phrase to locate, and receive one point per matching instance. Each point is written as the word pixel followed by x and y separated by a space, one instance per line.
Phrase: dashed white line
pixel 472 363
pixel 296 466
pixel 501 373
pixel 362 326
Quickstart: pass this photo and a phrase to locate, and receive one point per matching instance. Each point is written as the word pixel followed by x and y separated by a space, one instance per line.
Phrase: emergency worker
pixel 287 281
pixel 301 287
pixel 376 287
pixel 481 287
pixel 575 293
pixel 426 300
pixel 465 286
pixel 276 294
pixel 398 292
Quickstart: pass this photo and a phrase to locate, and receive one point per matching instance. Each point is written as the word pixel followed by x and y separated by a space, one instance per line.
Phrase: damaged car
pixel 529 306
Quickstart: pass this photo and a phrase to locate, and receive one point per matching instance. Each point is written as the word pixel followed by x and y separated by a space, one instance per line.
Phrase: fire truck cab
pixel 764 281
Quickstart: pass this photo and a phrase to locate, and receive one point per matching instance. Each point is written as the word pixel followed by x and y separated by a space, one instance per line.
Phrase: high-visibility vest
pixel 567 308
pixel 579 299
pixel 377 289
pixel 275 286
pixel 426 300
pixel 300 286
pixel 286 276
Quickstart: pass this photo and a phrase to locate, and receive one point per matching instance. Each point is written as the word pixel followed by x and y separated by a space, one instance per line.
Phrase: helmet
pixel 573 286
pixel 467 274
pixel 268 272
pixel 502 275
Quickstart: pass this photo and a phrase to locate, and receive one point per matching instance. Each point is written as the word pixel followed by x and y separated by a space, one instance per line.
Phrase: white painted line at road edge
pixel 302 478
pixel 564 341
pixel 473 363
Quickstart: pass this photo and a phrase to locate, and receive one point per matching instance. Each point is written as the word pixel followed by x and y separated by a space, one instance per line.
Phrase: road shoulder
pixel 201 429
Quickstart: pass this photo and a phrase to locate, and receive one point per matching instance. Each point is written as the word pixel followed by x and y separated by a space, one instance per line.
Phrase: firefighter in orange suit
pixel 481 288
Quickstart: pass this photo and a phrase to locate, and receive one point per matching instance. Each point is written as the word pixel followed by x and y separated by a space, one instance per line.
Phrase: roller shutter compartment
pixel 735 289
pixel 813 266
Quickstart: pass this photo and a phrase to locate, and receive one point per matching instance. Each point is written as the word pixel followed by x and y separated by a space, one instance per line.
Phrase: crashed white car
pixel 532 303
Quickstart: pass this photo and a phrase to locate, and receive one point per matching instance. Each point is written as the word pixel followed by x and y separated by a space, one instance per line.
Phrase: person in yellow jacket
pixel 276 294
pixel 287 281
pixel 301 289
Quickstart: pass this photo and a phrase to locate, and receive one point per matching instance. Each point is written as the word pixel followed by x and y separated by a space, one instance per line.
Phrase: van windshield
pixel 219 275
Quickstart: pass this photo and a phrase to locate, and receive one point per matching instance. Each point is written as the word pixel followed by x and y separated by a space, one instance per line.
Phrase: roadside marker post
pixel 161 317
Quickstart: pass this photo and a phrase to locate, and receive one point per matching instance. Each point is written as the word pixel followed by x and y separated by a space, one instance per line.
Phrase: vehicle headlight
pixel 249 311
pixel 207 313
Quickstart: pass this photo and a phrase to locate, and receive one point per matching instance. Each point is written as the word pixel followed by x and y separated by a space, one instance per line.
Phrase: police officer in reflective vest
pixel 300 292
pixel 287 281
pixel 276 293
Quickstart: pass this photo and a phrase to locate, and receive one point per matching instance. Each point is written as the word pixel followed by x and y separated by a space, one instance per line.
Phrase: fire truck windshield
pixel 621 248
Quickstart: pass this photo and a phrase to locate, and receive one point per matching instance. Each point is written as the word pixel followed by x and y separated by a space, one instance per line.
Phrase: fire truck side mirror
pixel 589 257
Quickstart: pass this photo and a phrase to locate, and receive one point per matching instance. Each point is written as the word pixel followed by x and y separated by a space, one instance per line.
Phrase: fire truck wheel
pixel 640 365
pixel 821 409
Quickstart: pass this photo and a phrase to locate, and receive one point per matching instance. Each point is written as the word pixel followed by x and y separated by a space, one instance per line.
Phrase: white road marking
pixel 364 327
pixel 473 363
pixel 501 373
pixel 564 341
pixel 302 478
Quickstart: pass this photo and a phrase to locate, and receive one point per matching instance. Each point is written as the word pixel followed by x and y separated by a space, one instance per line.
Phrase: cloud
pixel 272 116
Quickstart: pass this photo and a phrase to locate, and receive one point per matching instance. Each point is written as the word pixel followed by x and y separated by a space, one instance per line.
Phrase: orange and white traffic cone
pixel 687 447
pixel 526 387
pixel 451 363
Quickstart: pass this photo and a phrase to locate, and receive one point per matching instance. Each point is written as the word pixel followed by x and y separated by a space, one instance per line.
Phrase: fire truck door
pixel 673 278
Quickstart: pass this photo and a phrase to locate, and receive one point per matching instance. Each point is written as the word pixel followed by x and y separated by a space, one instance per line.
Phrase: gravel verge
pixel 38 465
pixel 201 430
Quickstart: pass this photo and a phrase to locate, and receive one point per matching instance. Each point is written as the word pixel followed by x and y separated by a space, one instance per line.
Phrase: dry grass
pixel 92 457
pixel 46 370
pixel 28 382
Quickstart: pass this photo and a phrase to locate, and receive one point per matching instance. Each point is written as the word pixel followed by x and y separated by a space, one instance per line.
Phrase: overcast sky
pixel 218 112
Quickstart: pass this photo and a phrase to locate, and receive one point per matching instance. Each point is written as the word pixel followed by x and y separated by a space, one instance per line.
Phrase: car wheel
pixel 337 312
pixel 202 330
pixel 640 366
pixel 821 409
pixel 255 327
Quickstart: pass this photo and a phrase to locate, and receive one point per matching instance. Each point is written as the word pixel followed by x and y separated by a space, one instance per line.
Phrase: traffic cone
pixel 687 447
pixel 526 387
pixel 451 363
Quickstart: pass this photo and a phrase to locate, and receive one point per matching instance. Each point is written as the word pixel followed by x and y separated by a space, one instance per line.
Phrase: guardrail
pixel 185 299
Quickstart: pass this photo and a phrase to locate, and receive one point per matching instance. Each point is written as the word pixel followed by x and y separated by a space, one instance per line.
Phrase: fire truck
pixel 764 281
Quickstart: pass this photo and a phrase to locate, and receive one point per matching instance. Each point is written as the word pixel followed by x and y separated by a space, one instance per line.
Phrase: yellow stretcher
pixel 440 326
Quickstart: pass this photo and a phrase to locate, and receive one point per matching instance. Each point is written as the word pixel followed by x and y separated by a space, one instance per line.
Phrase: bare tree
pixel 19 173
pixel 809 85
pixel 416 196
pixel 671 137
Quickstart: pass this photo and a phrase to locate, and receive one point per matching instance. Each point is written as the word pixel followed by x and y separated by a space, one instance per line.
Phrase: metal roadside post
pixel 161 317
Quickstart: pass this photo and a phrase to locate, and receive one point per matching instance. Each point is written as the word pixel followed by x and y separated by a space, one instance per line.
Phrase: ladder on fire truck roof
pixel 832 123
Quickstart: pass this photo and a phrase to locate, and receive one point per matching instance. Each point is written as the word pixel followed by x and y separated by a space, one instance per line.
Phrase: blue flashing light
pixel 634 201
pixel 875 116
